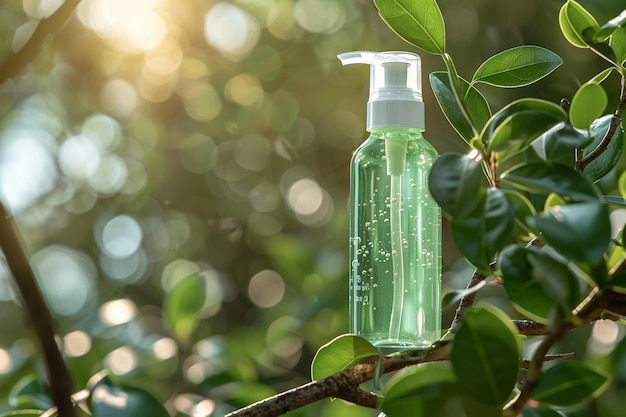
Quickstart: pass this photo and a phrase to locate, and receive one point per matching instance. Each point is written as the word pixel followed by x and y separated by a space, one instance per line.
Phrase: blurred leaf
pixel 290 257
pixel 611 155
pixel 485 355
pixel 30 392
pixel 23 413
pixel 587 105
pixel 454 182
pixel 618 45
pixel 419 391
pixel 182 306
pixel 108 399
pixel 546 177
pixel 576 22
pixel 418 22
pixel 474 408
pixel 517 67
pixel 580 232
pixel 486 229
pixel 559 144
pixel 569 383
pixel 340 354
pixel 520 122
pixel 540 411
pixel 536 282
pixel 602 75
pixel 475 103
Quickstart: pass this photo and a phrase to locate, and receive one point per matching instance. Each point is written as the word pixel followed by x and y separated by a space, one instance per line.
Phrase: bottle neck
pixel 395 133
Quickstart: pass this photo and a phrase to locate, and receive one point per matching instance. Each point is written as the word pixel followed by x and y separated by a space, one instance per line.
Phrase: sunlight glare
pixel 231 30
pixel 131 24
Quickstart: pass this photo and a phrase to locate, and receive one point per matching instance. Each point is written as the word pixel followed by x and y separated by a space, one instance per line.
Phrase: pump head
pixel 395 88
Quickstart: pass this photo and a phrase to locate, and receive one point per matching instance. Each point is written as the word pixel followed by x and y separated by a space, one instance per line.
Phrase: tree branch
pixel 15 63
pixel 606 140
pixel 59 377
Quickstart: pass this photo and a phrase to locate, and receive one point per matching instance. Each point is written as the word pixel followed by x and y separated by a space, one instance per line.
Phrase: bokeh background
pixel 151 141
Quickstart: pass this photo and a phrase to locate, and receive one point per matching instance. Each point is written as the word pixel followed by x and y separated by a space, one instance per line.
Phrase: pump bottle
pixel 395 225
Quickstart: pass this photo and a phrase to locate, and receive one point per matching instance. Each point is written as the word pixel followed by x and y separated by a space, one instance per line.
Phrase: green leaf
pixel 30 392
pixel 109 399
pixel 587 105
pixel 577 24
pixel 420 391
pixel 418 22
pixel 580 232
pixel 559 144
pixel 545 177
pixel 340 354
pixel 517 67
pixel 569 383
pixel 607 29
pixel 454 182
pixel 485 355
pixel 536 282
pixel 621 184
pixel 183 306
pixel 618 45
pixel 520 122
pixel 486 229
pixel 474 408
pixel 475 103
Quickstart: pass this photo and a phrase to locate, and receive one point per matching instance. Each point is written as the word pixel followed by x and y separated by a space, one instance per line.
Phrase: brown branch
pixel 15 63
pixel 344 385
pixel 606 140
pixel 467 300
pixel 58 374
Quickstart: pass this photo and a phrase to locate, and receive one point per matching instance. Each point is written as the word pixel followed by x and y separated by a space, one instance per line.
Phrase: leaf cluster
pixel 528 206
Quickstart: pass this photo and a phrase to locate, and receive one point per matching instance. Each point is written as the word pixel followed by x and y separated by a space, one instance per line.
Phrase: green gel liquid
pixel 395 274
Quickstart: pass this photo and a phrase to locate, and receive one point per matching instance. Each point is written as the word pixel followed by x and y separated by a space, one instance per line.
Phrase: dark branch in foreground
pixel 15 63
pixel 58 374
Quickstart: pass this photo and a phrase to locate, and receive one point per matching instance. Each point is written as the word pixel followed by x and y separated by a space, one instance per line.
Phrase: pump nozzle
pixel 395 88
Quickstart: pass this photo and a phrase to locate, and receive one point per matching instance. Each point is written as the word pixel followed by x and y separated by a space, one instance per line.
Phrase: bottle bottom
pixel 388 346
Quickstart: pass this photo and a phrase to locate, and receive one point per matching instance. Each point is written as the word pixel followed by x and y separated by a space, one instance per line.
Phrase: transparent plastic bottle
pixel 395 229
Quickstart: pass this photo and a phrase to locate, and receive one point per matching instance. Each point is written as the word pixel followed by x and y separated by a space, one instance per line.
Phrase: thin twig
pixel 467 300
pixel 14 63
pixel 59 376
pixel 606 140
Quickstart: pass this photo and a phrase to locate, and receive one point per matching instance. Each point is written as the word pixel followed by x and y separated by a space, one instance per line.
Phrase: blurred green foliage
pixel 165 158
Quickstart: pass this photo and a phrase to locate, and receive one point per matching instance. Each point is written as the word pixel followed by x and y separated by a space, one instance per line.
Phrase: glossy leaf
pixel 559 144
pixel 183 305
pixel 420 391
pixel 340 354
pixel 475 103
pixel 617 43
pixel 587 105
pixel 418 22
pixel 580 232
pixel 569 383
pixel 536 282
pixel 109 399
pixel 546 177
pixel 485 355
pixel 611 26
pixel 30 392
pixel 454 183
pixel 517 67
pixel 486 229
pixel 521 121
pixel 577 24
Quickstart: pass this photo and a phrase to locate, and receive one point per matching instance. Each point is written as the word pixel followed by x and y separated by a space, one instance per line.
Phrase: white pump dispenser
pixel 395 88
